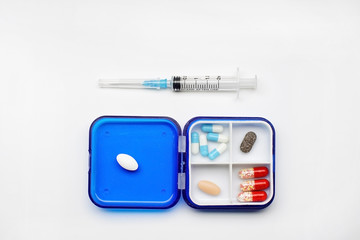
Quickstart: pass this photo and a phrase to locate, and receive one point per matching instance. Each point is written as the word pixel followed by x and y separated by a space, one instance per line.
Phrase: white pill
pixel 127 162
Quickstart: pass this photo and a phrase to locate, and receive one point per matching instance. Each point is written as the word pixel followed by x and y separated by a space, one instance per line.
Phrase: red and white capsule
pixel 254 185
pixel 256 172
pixel 256 196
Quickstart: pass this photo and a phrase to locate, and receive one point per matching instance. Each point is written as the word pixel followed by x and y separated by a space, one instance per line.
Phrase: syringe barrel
pixel 212 83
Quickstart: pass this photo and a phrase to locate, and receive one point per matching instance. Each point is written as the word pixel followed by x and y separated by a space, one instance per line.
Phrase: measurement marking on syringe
pixel 200 84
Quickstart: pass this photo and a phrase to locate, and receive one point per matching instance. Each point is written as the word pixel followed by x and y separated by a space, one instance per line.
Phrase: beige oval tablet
pixel 209 187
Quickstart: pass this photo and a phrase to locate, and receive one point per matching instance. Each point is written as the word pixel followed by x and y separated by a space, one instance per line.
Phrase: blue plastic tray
pixel 153 143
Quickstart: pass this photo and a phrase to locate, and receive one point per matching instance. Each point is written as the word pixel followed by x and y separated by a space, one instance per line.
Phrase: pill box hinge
pixel 182 144
pixel 181 180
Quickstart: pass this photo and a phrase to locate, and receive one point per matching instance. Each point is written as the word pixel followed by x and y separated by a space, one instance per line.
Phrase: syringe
pixel 186 83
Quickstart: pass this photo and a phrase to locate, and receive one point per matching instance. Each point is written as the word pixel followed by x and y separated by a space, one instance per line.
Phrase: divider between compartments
pixel 230 161
pixel 252 163
pixel 215 163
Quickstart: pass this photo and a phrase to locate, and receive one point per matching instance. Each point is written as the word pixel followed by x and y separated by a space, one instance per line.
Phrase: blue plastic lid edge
pixel 89 171
pixel 248 208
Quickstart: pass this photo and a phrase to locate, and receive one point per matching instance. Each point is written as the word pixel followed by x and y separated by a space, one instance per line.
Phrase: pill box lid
pixel 153 143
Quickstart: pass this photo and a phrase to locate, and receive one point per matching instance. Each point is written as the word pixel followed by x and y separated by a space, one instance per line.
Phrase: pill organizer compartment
pixel 236 181
pixel 223 171
pixel 261 151
pixel 218 174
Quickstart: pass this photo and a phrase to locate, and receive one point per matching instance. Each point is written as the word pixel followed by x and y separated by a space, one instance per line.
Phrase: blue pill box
pixel 168 168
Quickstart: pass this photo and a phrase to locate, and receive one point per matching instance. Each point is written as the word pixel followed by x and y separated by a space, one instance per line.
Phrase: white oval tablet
pixel 127 162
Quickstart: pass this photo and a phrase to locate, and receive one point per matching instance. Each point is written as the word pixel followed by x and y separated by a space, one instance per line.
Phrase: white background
pixel 305 53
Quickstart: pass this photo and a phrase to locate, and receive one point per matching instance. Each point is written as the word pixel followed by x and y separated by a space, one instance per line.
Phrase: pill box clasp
pixel 181 181
pixel 182 144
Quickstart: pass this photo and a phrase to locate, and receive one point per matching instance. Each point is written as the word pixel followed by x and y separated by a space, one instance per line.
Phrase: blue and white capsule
pixel 195 143
pixel 212 128
pixel 204 150
pixel 217 151
pixel 215 137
